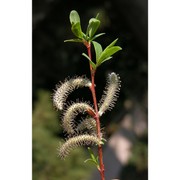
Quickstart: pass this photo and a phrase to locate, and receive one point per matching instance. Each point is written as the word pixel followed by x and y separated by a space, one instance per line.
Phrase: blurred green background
pixel 54 60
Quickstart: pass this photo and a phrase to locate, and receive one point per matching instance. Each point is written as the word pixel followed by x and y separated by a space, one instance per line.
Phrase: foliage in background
pixel 140 155
pixel 46 164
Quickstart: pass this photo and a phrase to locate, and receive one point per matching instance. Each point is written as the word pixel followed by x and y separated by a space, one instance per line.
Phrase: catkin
pixel 110 95
pixel 70 114
pixel 64 89
pixel 75 142
pixel 89 124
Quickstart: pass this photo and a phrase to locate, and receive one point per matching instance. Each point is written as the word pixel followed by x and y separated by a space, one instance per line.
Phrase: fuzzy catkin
pixel 110 95
pixel 75 142
pixel 71 112
pixel 89 124
pixel 64 89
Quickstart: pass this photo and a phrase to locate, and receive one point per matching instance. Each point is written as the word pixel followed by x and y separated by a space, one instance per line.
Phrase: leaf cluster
pixel 89 37
pixel 92 27
pixel 94 159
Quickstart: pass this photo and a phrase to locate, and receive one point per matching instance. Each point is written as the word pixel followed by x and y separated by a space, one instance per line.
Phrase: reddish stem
pixel 100 154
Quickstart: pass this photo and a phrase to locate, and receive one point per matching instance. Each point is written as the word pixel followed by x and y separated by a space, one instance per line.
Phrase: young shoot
pixel 88 131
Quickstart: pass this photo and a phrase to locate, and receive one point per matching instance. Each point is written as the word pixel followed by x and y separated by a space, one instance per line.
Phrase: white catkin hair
pixel 64 89
pixel 71 112
pixel 89 124
pixel 110 95
pixel 75 142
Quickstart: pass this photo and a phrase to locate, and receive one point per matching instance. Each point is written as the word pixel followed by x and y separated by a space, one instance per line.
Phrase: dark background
pixel 54 60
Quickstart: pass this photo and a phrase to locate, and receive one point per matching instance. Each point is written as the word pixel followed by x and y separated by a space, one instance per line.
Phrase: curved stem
pixel 100 154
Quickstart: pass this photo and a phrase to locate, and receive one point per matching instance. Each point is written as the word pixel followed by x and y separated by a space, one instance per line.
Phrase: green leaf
pixel 106 59
pixel 92 27
pixel 93 158
pixel 97 160
pixel 96 36
pixel 98 49
pixel 85 55
pixel 94 162
pixel 92 64
pixel 107 53
pixel 73 40
pixel 91 154
pixel 76 29
pixel 90 160
pixel 97 15
pixel 104 140
pixel 74 17
pixel 112 44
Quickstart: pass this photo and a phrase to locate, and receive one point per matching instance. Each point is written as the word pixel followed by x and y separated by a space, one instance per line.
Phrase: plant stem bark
pixel 100 154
